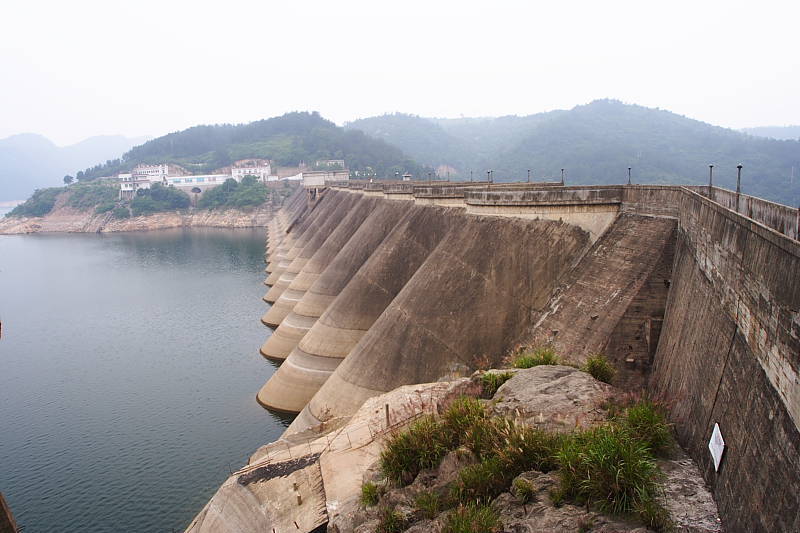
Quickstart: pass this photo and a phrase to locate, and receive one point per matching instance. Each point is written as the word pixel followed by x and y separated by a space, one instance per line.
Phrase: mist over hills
pixel 596 143
pixel 775 132
pixel 29 161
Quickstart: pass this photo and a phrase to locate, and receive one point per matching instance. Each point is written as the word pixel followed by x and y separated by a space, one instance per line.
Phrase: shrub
pixel 472 519
pixel 157 199
pixel 391 521
pixel 608 468
pixel 523 489
pixel 491 381
pixel 104 208
pixel 370 494
pixel 429 503
pixel 522 448
pixel 86 195
pixel 540 356
pixel 39 204
pixel 599 368
pixel 121 212
pixel 646 423
pixel 422 446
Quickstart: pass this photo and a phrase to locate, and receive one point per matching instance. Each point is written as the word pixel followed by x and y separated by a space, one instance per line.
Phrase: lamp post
pixel 629 175
pixel 487 176
pixel 738 184
pixel 710 178
pixel 470 175
pixel 529 175
pixel 562 176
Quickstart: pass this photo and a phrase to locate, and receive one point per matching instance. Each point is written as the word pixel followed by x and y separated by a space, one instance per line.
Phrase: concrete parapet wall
pixel 729 354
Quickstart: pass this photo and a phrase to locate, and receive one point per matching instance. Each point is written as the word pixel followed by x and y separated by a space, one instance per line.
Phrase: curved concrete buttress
pixel 357 307
pixel 298 240
pixel 349 219
pixel 330 269
pixel 320 224
pixel 326 226
pixel 470 299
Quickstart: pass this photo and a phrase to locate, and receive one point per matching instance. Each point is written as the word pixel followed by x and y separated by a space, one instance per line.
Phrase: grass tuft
pixel 523 489
pixel 599 368
pixel 429 503
pixel 422 446
pixel 390 521
pixel 540 356
pixel 608 468
pixel 492 381
pixel 645 421
pixel 472 519
pixel 370 494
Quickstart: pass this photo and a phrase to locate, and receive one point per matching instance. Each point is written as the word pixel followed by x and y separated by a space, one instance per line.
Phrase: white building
pixel 318 178
pixel 200 181
pixel 260 168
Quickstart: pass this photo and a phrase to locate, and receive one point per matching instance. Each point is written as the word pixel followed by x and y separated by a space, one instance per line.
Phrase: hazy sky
pixel 80 68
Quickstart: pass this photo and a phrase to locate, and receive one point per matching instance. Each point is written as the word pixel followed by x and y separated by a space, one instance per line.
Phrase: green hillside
pixel 596 143
pixel 288 140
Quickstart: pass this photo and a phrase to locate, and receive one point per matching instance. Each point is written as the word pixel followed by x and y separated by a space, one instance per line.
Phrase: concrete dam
pixel 693 293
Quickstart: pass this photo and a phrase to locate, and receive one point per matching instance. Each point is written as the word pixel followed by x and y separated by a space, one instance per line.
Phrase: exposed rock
pixel 70 220
pixel 554 397
pixel 686 497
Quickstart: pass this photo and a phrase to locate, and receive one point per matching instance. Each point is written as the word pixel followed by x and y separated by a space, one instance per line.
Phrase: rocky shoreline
pixel 70 220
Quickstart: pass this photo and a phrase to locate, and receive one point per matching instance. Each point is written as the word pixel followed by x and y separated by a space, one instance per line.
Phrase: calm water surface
pixel 128 371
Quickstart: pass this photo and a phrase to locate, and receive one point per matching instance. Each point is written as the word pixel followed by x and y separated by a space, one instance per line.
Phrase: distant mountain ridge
pixel 288 140
pixel 596 143
pixel 775 132
pixel 29 161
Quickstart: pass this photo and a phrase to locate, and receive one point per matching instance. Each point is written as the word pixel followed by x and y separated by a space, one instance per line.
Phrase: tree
pixel 68 179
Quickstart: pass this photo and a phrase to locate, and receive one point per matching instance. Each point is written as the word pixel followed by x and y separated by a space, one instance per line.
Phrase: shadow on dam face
pixel 310 262
pixel 370 290
pixel 692 301
pixel 363 236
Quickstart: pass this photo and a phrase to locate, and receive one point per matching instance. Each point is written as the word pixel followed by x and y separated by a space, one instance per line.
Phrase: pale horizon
pixel 147 69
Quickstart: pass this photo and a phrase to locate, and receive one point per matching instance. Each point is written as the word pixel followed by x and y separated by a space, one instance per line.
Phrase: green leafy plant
pixel 599 368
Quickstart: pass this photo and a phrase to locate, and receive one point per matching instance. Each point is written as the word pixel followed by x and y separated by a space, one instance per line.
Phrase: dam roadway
pixel 692 292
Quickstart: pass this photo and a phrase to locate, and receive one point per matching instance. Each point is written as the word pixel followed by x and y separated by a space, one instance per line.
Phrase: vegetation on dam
pixel 611 467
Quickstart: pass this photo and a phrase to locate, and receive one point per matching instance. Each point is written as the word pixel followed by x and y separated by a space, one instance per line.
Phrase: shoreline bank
pixel 68 220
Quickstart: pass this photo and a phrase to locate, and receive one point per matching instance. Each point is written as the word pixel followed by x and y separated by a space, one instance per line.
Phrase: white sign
pixel 716 445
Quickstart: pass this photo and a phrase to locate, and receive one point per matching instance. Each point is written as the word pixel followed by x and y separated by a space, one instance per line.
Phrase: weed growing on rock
pixel 429 503
pixel 646 423
pixel 422 446
pixel 523 489
pixel 472 519
pixel 492 381
pixel 540 356
pixel 390 521
pixel 610 469
pixel 481 482
pixel 599 368
pixel 370 494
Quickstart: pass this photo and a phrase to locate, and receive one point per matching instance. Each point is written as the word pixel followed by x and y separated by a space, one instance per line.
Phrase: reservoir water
pixel 128 371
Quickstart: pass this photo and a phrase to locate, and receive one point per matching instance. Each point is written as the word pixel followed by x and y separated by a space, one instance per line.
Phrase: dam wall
pixel 693 302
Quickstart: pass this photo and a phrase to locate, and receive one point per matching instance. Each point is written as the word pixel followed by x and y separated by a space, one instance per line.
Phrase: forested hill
pixel 596 143
pixel 288 140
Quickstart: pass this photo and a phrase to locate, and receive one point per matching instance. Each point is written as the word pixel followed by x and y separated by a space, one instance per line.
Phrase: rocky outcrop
pixel 70 220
